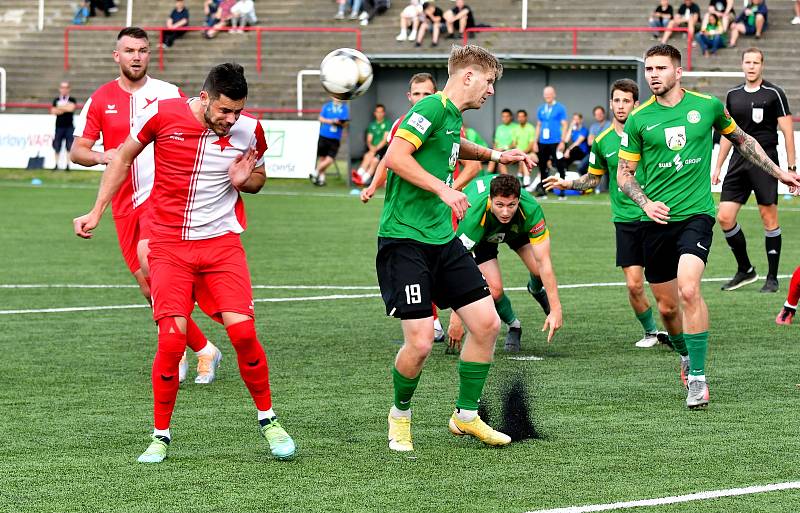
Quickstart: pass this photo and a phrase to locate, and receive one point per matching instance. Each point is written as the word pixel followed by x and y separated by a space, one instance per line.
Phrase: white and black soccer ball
pixel 345 73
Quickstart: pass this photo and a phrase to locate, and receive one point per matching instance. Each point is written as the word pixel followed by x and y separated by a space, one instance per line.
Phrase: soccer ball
pixel 345 73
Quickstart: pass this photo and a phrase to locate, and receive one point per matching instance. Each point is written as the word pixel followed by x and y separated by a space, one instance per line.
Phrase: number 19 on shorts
pixel 413 295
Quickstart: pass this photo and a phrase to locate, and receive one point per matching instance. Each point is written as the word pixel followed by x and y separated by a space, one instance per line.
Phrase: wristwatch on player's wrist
pixel 793 169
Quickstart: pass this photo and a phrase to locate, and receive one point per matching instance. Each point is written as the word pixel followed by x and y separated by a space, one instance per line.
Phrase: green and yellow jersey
pixel 433 126
pixel 480 225
pixel 673 146
pixel 378 130
pixel 604 158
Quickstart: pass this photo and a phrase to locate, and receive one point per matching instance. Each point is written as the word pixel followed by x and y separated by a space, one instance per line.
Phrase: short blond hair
pixel 473 55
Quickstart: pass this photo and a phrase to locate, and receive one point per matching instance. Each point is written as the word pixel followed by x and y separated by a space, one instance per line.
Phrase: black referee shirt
pixel 757 112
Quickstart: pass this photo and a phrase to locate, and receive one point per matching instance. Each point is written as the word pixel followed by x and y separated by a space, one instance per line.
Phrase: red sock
pixel 435 313
pixel 165 376
pixel 195 338
pixel 794 288
pixel 252 362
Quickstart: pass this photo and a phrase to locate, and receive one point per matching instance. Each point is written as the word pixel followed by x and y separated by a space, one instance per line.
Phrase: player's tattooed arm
pixel 628 184
pixel 752 151
pixel 585 183
pixel 471 151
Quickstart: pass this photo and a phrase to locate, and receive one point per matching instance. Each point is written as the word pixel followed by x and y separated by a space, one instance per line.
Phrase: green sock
pixel 403 389
pixel 679 344
pixel 535 284
pixel 505 310
pixel 472 376
pixel 647 320
pixel 697 343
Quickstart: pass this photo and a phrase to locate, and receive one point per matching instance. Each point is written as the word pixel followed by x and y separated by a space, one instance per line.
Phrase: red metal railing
pixel 252 110
pixel 574 31
pixel 160 30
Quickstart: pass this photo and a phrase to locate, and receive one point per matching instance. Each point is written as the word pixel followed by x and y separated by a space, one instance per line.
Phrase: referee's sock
pixel 772 243
pixel 738 244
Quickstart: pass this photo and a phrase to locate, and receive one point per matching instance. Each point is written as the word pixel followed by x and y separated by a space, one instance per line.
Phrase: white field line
pixel 262 300
pixel 699 496
pixel 144 305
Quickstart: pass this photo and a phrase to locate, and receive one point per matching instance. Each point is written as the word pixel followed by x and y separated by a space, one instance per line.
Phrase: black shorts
pixel 327 147
pixel 413 275
pixel 665 243
pixel 743 177
pixel 485 251
pixel 630 243
pixel 63 134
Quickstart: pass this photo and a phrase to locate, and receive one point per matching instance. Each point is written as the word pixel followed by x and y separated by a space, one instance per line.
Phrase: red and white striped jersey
pixel 193 197
pixel 111 111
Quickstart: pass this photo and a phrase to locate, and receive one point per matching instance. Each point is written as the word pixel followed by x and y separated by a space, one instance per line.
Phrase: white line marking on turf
pixel 127 307
pixel 699 496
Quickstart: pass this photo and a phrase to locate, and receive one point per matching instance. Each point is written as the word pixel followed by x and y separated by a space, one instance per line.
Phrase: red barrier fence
pixel 160 30
pixel 574 31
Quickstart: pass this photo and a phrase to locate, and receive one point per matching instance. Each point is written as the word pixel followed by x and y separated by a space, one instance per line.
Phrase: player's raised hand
pixel 552 324
pixel 511 156
pixel 84 224
pixel 242 167
pixel 456 200
pixel 554 182
pixel 657 211
pixel 715 176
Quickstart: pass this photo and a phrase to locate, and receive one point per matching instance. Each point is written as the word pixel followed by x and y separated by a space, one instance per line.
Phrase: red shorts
pixel 212 272
pixel 132 228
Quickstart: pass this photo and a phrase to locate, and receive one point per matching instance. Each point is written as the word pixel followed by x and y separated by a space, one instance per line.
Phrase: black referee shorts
pixel 743 177
pixel 413 275
pixel 665 243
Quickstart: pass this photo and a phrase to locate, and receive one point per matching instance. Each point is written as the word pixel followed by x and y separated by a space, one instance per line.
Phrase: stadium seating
pixel 34 60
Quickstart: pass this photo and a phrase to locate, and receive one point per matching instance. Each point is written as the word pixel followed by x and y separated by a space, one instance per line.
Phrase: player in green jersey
pixel 670 135
pixel 503 138
pixel 501 211
pixel 420 261
pixel 625 214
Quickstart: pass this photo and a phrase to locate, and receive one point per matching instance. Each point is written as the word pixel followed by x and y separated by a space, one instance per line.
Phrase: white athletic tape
pixel 699 496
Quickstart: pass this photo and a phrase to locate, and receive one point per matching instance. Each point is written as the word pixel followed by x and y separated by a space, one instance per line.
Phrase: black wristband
pixel 792 168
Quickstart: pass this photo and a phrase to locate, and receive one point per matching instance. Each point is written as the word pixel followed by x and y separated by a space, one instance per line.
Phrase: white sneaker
pixel 402 36
pixel 363 16
pixel 796 20
pixel 207 366
pixel 364 22
pixel 183 368
pixel 649 340
pixel 412 36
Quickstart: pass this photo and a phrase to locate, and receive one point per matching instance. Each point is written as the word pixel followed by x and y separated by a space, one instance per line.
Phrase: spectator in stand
pixel 373 8
pixel 376 146
pixel 209 10
pixel 524 135
pixel 355 9
pixel 661 16
pixel 551 132
pixel 63 108
pixel 243 14
pixel 723 9
pixel 432 20
pixel 461 14
pixel 710 38
pixel 333 119
pixel 411 16
pixel 222 18
pixel 179 17
pixel 595 129
pixel 107 6
pixel 751 22
pixel 796 19
pixel 503 138
pixel 688 16
pixel 578 147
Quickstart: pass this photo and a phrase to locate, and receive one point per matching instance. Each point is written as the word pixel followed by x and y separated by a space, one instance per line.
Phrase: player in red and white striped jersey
pixel 110 113
pixel 206 152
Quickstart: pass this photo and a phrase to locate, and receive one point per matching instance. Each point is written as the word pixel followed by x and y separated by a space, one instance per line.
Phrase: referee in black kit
pixel 760 109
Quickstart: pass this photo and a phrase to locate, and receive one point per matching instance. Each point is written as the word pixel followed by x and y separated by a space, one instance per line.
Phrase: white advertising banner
pixel 292 151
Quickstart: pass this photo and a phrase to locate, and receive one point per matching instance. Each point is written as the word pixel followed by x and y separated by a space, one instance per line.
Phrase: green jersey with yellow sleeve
pixel 604 158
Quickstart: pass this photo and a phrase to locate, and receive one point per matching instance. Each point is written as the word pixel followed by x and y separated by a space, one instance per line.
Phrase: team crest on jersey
pixel 693 117
pixel 676 137
pixel 758 115
pixel 454 155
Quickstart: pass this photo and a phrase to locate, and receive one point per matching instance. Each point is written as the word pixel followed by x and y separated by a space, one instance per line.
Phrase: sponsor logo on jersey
pixel 678 162
pixel 592 158
pixel 624 139
pixel 693 117
pixel 538 227
pixel 497 238
pixel 419 122
pixel 675 137
pixel 454 155
pixel 177 136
